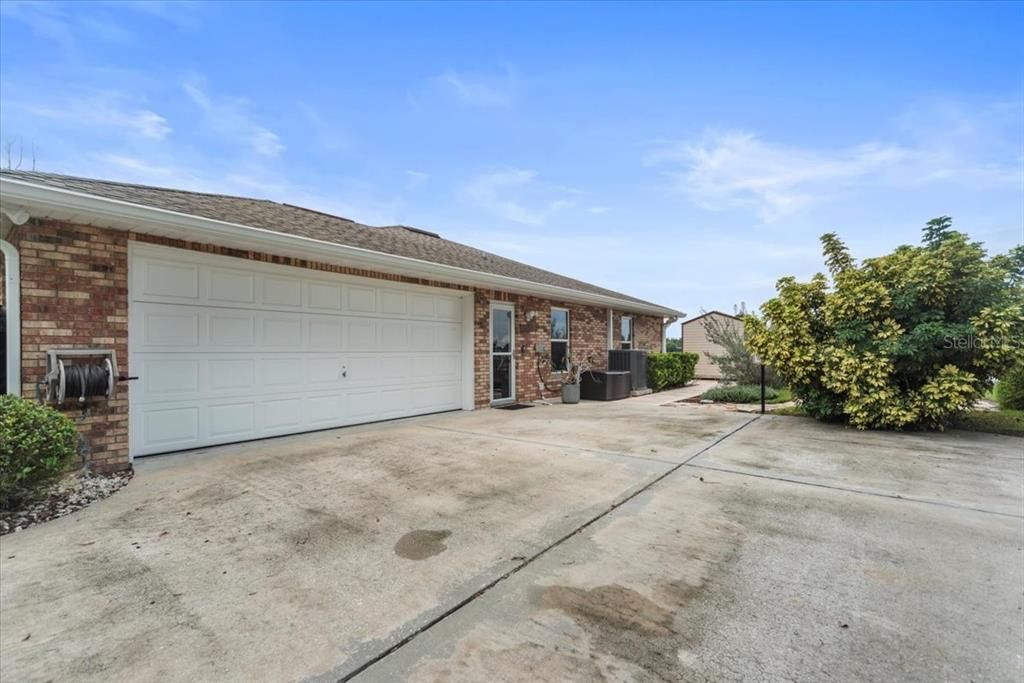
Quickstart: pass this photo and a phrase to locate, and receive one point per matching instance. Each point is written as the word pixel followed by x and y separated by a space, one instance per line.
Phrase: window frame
pixel 624 344
pixel 552 339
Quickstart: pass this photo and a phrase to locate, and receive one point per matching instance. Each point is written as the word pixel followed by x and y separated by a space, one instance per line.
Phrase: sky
pixel 688 154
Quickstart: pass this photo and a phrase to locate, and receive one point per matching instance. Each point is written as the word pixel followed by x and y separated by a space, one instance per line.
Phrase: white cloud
pixel 514 195
pixel 941 144
pixel 227 117
pixel 481 90
pixel 599 210
pixel 106 110
pixel 738 169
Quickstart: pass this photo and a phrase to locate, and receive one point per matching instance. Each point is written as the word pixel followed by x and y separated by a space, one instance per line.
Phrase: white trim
pixel 632 333
pixel 567 339
pixel 501 306
pixel 86 208
pixel 469 353
pixel 12 307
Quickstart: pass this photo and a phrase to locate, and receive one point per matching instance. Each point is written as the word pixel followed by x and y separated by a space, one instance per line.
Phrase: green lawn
pixel 1010 422
pixel 754 395
pixel 993 421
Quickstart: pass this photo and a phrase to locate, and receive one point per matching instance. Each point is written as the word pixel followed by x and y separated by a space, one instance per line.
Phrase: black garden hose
pixel 81 381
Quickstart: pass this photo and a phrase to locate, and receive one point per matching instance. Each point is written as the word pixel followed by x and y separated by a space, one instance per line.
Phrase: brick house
pixel 245 318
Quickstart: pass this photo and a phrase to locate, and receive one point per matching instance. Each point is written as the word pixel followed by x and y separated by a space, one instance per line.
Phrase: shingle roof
pixel 294 220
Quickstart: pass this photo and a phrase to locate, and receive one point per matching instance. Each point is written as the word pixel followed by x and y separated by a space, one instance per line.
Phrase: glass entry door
pixel 503 373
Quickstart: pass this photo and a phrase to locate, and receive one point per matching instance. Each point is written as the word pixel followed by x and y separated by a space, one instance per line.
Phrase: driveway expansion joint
pixel 540 553
pixel 833 487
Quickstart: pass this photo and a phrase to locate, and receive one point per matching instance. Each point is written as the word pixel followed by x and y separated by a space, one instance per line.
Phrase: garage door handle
pixel 344 372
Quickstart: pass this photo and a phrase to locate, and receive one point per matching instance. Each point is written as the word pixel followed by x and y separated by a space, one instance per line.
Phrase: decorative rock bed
pixel 71 494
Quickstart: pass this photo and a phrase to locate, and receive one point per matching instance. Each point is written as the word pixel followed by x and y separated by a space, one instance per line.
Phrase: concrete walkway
pixel 604 541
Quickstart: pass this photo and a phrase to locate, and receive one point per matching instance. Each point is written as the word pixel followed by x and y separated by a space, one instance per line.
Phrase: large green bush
pixel 739 393
pixel 1010 390
pixel 665 370
pixel 906 339
pixel 37 444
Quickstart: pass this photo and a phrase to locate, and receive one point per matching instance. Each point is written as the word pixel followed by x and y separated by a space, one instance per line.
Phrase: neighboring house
pixel 246 318
pixel 695 340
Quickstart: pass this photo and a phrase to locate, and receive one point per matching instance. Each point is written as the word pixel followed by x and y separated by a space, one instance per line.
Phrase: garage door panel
pixel 170 326
pixel 237 418
pixel 360 299
pixel 449 308
pixel 448 337
pixel 325 411
pixel 169 378
pixel 281 332
pixel 230 375
pixel 324 333
pixel 282 291
pixel 360 334
pixel 394 303
pixel 166 280
pixel 231 286
pixel 170 427
pixel 229 353
pixel 282 413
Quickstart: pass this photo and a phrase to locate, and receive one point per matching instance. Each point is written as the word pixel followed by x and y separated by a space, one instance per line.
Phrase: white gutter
pixel 40 198
pixel 12 306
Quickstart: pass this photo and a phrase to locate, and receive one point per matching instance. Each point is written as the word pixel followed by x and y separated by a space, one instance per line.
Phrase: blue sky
pixel 689 154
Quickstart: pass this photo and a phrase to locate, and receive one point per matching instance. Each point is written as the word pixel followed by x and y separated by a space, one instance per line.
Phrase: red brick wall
pixel 75 295
pixel 646 331
pixel 588 338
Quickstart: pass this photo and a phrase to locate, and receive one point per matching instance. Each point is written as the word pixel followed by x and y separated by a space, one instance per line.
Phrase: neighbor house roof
pixel 286 219
pixel 707 313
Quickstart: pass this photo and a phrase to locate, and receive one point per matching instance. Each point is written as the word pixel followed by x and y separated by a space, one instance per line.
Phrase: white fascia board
pixel 184 226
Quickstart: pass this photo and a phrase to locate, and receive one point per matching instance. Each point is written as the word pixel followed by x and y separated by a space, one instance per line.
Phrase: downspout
pixel 12 306
pixel 665 323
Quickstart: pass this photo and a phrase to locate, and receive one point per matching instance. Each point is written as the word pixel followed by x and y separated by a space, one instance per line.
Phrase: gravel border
pixel 71 494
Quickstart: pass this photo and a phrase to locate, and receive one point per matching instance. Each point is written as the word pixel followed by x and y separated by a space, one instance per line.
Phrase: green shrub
pixel 665 370
pixel 908 339
pixel 1010 390
pixel 37 444
pixel 739 393
pixel 689 366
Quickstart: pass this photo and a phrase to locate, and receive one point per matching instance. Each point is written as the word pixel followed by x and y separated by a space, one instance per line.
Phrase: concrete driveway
pixel 622 541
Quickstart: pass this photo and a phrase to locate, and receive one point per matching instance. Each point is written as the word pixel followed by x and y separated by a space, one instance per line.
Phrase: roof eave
pixel 45 201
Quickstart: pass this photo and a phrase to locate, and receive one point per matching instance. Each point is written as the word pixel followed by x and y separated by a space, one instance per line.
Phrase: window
pixel 626 333
pixel 559 338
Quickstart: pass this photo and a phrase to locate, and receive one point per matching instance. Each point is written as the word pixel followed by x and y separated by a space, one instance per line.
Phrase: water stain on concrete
pixel 625 624
pixel 421 544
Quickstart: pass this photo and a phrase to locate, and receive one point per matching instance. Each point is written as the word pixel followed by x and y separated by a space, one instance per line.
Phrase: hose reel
pixel 79 381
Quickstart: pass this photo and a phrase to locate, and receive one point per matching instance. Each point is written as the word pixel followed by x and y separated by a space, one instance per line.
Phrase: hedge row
pixel 667 370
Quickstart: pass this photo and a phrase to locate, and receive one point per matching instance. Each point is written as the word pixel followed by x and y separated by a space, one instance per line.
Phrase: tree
pixel 736 362
pixel 910 338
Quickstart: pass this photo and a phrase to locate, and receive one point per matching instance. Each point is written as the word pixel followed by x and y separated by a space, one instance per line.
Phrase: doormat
pixel 515 406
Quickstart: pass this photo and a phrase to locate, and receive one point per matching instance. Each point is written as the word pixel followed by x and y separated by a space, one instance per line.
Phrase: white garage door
pixel 227 350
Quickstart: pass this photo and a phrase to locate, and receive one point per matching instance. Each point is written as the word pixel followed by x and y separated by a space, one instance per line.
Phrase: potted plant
pixel 571 377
